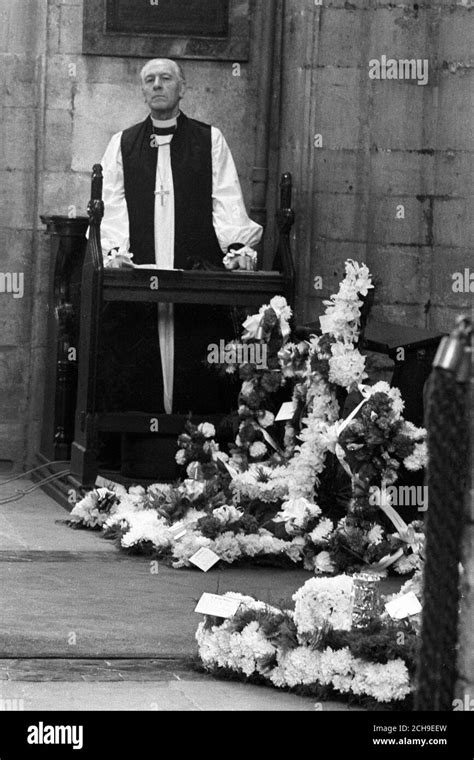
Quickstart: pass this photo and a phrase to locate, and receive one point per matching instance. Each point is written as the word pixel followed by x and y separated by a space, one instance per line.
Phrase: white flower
pixel 261 543
pixel 297 512
pixel 250 545
pixel 309 459
pixel 375 535
pixel 342 317
pixel 184 549
pixel 380 387
pixel 393 393
pixel 266 418
pixel 180 457
pixel 322 530
pixel 324 600
pixel 137 491
pixel 384 682
pixel 247 388
pixel 298 666
pixel 323 563
pixel 294 549
pixel 227 547
pixel 227 514
pixel 257 450
pixel 192 517
pixel 207 429
pixel 418 458
pixel 90 510
pixel 163 490
pixel 415 433
pixel 337 668
pixel 248 483
pixel 146 526
pixel 194 488
pixel 280 307
pixel 346 365
pixel 194 471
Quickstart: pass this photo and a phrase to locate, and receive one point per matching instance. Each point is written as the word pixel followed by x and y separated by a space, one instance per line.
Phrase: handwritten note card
pixel 217 606
pixel 204 559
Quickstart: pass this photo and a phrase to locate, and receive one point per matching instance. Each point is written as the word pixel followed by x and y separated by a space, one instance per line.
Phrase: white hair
pixel 178 69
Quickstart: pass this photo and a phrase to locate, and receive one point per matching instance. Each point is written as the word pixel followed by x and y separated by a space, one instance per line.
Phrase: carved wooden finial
pixel 97 182
pixel 95 208
pixel 286 187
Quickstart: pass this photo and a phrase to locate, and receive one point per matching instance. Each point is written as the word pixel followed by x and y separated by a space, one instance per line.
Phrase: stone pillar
pixel 22 55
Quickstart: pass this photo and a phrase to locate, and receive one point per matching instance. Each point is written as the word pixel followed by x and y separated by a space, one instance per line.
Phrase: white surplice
pixel 229 216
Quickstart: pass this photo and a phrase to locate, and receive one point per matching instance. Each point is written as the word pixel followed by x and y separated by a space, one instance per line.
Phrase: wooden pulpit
pixel 102 285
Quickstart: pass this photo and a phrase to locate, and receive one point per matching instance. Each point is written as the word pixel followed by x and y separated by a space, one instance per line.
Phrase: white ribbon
pixel 254 324
pixel 253 327
pixel 383 501
pixel 338 450
pixel 270 440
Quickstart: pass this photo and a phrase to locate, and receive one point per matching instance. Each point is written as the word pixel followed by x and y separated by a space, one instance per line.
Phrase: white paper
pixel 404 606
pixel 178 531
pixel 204 559
pixel 286 412
pixel 217 606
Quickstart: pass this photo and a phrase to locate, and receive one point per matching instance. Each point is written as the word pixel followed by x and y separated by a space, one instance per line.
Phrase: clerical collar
pixel 165 126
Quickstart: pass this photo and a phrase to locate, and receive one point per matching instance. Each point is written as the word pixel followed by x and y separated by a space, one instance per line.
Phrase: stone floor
pixel 84 626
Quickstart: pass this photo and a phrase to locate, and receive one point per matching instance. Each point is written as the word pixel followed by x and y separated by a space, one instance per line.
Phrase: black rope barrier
pixel 447 420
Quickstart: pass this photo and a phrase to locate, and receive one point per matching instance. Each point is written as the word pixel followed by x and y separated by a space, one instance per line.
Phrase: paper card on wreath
pixel 286 412
pixel 204 559
pixel 178 531
pixel 217 606
pixel 404 606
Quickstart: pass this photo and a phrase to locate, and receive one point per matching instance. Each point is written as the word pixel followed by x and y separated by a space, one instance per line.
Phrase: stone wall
pixel 385 144
pixel 60 109
pixel 22 47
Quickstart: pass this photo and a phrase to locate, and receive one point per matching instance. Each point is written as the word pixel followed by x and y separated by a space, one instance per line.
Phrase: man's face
pixel 163 89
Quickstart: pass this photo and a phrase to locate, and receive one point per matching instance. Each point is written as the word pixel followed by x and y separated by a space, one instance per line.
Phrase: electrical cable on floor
pixel 39 484
pixel 21 475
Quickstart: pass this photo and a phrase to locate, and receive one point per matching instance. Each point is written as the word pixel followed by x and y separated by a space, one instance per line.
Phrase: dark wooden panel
pixel 139 422
pixel 200 18
pixel 175 286
pixel 199 29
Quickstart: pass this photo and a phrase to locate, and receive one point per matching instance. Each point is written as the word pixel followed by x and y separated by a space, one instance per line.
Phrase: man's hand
pixel 241 257
pixel 116 260
pixel 123 262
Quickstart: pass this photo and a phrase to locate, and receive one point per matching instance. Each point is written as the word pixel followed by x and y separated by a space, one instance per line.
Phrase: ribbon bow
pixel 253 326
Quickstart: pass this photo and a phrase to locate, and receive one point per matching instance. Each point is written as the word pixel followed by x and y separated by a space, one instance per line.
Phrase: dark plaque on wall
pixel 205 29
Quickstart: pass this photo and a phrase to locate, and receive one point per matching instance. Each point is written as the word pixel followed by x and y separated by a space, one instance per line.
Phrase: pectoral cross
pixel 162 194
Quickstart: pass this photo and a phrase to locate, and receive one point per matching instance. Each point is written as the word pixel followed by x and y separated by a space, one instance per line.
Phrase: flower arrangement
pixel 315 646
pixel 373 447
pixel 267 498
pixel 94 509
pixel 260 383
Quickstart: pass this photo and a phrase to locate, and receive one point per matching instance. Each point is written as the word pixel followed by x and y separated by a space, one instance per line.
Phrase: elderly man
pixel 172 198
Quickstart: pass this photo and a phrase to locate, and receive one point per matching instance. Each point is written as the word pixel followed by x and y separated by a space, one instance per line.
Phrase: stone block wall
pixel 22 27
pixel 385 144
pixel 59 110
